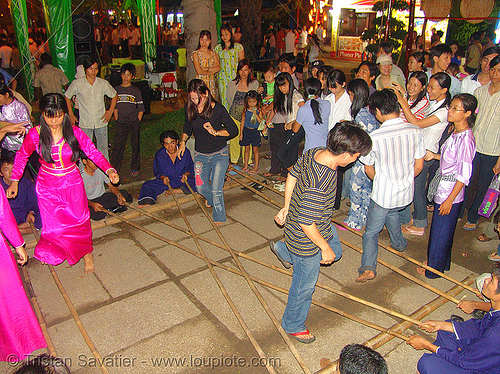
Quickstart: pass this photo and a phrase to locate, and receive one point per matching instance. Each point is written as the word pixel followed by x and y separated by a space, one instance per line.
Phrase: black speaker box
pixel 83 38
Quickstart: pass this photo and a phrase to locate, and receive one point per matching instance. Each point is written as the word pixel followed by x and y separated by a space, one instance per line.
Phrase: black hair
pixel 454 68
pixel 422 78
pixel 444 80
pixel 241 65
pixel 361 92
pixel 52 105
pixel 89 61
pixel 282 103
pixel 312 88
pixel 477 35
pixel 495 61
pixel 227 27
pixel 7 158
pixel 439 50
pixel 419 57
pixel 4 89
pixel 206 33
pixel 128 67
pixel 490 51
pixel 384 100
pixel 469 103
pixel 325 71
pixel 359 359
pixel 168 134
pixel 496 273
pixel 199 87
pixel 387 47
pixel 46 59
pixel 43 364
pixel 290 60
pixel 335 77
pixel 270 68
pixel 371 66
pixel 252 94
pixel 348 137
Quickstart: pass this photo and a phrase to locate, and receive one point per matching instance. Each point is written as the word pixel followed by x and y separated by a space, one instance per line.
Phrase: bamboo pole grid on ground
pixel 407 320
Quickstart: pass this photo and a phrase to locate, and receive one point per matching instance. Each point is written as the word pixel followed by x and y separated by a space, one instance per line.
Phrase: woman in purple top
pixel 455 170
pixel 12 111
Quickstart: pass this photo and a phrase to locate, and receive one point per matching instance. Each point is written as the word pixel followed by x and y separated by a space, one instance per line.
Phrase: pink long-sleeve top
pixel 457 154
pixel 61 153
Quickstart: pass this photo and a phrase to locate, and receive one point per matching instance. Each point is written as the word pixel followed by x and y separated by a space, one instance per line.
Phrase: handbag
pixel 434 183
pixel 490 199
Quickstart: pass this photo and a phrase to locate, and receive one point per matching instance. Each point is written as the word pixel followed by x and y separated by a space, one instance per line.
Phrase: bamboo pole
pixel 405 274
pixel 221 286
pixel 411 259
pixel 383 338
pixel 288 272
pixel 152 208
pixel 259 296
pixel 260 281
pixel 75 315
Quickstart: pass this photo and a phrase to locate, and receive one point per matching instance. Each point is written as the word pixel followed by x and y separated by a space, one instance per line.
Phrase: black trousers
pixel 110 202
pixel 121 134
pixel 277 136
pixel 289 151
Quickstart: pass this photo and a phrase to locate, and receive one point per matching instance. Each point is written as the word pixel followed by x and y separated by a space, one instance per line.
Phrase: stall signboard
pixel 350 48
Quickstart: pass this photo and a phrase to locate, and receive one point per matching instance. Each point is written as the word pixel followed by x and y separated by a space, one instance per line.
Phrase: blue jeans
pixel 210 172
pixel 375 221
pixel 482 167
pixel 304 278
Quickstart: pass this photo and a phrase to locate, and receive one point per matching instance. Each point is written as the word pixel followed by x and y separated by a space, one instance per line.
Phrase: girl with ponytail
pixel 313 116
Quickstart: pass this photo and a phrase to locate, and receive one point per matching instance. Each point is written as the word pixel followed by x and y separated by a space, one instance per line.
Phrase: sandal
pixel 494 257
pixel 413 230
pixel 269 174
pixel 483 238
pixel 135 173
pixel 430 208
pixel 470 226
pixel 300 336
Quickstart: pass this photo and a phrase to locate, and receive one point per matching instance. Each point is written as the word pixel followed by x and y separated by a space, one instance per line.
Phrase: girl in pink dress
pixel 66 232
pixel 20 333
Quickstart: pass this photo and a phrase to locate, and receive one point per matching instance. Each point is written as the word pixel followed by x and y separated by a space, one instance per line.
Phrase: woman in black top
pixel 212 128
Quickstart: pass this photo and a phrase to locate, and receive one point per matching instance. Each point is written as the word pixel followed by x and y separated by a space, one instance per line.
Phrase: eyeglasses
pixel 457 109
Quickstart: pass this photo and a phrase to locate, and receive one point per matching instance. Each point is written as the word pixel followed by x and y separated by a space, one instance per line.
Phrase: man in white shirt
pixel 5 53
pixel 134 42
pixel 49 79
pixel 289 41
pixel 90 91
pixel 397 156
pixel 124 34
pixel 440 57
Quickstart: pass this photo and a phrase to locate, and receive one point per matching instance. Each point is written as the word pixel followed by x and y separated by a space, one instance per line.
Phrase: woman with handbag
pixel 455 170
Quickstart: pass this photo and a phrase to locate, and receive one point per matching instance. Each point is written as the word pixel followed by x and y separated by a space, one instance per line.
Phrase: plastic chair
pixel 170 91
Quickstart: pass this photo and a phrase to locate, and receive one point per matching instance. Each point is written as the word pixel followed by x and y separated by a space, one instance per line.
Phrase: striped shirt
pixel 487 127
pixel 396 146
pixel 312 202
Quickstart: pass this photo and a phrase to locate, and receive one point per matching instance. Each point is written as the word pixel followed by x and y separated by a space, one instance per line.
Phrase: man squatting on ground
pixel 310 238
pixel 464 347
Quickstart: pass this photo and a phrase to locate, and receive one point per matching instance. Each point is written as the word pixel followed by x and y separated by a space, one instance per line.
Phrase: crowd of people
pixel 396 146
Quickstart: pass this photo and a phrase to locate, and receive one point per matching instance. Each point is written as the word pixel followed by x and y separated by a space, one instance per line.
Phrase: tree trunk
pixel 198 15
pixel 251 26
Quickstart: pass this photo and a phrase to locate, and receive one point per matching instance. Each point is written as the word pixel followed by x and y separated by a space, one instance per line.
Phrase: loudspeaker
pixel 83 38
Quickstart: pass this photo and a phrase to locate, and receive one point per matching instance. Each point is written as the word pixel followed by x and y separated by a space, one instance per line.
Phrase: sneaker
pixel 279 186
pixel 285 264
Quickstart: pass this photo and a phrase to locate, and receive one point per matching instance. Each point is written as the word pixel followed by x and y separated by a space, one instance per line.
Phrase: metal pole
pixel 387 22
pixel 409 38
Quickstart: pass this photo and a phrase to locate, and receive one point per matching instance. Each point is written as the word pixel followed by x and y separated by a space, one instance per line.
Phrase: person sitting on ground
pixel 464 347
pixel 24 205
pixel 168 168
pixel 310 237
pixel 94 180
pixel 359 359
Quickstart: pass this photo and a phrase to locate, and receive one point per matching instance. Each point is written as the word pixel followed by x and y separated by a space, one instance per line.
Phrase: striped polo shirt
pixel 312 202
